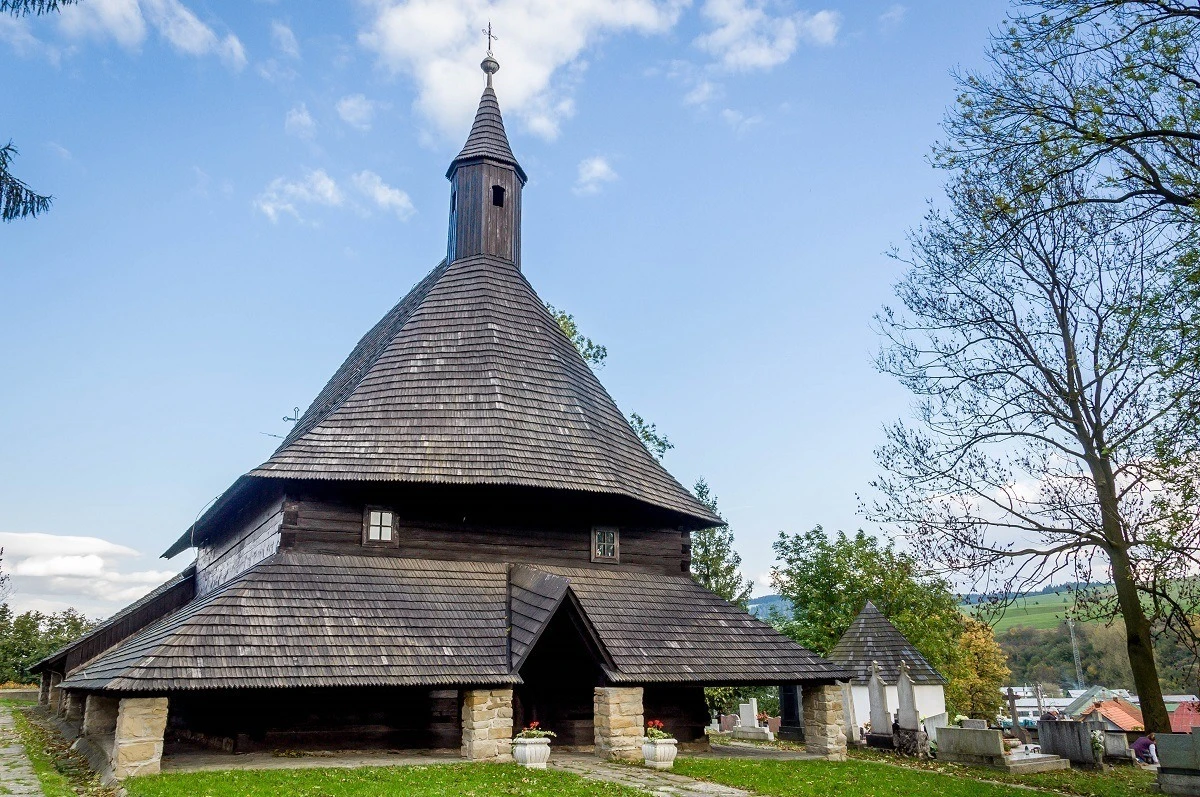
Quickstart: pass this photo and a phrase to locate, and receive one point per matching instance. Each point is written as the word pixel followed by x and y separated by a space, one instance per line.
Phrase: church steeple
pixel 485 186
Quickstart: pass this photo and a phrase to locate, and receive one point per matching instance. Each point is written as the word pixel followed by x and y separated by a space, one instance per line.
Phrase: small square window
pixel 379 527
pixel 606 544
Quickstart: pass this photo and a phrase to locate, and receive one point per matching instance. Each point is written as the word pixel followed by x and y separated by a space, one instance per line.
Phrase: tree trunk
pixel 1140 646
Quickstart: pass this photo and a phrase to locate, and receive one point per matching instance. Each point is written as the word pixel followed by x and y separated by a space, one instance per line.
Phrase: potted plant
pixel 531 747
pixel 658 748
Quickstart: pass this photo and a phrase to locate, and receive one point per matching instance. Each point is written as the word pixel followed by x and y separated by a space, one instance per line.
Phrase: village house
pixel 461 535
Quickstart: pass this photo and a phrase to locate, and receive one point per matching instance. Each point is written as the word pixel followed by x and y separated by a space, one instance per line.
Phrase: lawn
pixel 874 779
pixel 1037 611
pixel 60 772
pixel 439 780
pixel 1114 782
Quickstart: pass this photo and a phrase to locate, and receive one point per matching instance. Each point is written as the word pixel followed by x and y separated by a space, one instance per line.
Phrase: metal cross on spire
pixel 490 37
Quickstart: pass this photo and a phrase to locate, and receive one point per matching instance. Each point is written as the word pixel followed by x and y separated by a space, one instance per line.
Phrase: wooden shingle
pixel 872 637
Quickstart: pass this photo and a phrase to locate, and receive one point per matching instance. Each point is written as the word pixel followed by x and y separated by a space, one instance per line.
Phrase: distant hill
pixel 761 607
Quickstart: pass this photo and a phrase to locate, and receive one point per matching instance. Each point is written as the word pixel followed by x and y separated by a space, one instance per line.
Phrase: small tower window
pixel 498 196
pixel 606 544
pixel 453 200
pixel 379 526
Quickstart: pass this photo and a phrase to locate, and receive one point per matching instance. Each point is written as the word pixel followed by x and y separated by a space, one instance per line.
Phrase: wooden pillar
pixel 791 723
pixel 138 740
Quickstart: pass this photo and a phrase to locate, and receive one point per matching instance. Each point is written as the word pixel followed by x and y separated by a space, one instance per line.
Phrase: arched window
pixel 498 196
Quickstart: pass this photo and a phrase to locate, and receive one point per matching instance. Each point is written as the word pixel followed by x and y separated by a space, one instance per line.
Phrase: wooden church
pixel 461 535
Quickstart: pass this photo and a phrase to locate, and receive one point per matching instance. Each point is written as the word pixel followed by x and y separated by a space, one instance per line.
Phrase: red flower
pixel 655 724
pixel 534 724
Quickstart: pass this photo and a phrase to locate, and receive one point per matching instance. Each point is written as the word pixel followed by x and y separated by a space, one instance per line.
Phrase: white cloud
pixel 299 123
pixel 593 174
pixel 739 121
pixel 701 93
pixel 284 39
pixel 383 195
pixel 125 21
pixel 59 150
pixel 746 37
pixel 438 43
pixel 51 572
pixel 893 16
pixel 357 111
pixel 16 34
pixel 284 196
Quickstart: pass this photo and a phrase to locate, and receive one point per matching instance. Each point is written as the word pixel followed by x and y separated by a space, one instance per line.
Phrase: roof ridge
pixel 488 138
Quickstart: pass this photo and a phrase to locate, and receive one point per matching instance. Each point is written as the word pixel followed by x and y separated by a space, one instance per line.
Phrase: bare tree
pixel 1106 91
pixel 1049 442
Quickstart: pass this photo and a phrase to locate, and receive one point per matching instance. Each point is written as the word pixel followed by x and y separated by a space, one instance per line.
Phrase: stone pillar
pixel 44 692
pixel 99 716
pixel 138 741
pixel 487 725
pixel 619 722
pixel 55 696
pixel 73 706
pixel 824 733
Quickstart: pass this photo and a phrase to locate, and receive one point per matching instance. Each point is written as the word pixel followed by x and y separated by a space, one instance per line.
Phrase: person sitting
pixel 1145 749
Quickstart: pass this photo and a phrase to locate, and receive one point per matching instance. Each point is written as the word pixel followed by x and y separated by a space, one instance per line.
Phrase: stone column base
pixel 824 722
pixel 619 722
pixel 487 725
pixel 138 742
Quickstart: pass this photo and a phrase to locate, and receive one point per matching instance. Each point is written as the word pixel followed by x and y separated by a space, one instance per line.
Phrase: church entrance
pixel 559 676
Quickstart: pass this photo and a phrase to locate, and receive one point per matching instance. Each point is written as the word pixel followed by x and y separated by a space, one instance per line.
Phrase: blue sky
pixel 243 189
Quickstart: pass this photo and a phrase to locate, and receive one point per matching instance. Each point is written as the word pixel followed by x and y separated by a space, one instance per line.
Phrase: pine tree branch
pixel 21 8
pixel 17 200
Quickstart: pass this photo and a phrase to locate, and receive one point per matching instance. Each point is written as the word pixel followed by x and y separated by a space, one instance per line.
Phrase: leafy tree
pixel 17 200
pixel 715 564
pixel 30 636
pixel 593 353
pixel 657 444
pixel 828 580
pixel 978 672
pixel 596 355
pixel 1050 438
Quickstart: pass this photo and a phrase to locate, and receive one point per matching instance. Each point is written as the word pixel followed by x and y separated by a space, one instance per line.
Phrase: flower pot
pixel 532 753
pixel 659 753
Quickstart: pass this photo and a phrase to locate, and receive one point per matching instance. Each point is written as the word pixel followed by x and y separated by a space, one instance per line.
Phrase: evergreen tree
pixel 18 200
pixel 715 564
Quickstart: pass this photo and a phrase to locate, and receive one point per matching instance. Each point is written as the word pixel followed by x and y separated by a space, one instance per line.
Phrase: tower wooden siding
pixel 478 226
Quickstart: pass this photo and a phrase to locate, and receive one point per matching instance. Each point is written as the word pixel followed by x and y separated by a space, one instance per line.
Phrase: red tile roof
pixel 1185 717
pixel 1121 713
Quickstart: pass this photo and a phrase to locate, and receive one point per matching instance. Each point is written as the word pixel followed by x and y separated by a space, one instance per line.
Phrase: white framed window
pixel 379 526
pixel 606 544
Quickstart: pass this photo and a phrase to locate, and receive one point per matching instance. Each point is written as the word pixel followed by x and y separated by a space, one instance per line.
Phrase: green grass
pixel 865 778
pixel 1038 611
pixel 439 780
pixel 60 772
pixel 1116 782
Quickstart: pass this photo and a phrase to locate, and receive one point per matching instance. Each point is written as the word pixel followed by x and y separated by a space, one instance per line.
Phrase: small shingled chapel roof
pixel 872 637
pixel 488 139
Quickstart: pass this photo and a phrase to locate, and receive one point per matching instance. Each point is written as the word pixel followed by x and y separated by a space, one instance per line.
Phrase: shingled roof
pixel 469 380
pixel 333 620
pixel 487 139
pixel 872 637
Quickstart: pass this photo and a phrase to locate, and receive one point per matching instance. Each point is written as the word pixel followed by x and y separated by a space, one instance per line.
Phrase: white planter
pixel 659 753
pixel 532 753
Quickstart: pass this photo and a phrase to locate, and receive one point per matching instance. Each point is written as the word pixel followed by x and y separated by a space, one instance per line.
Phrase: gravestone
pixel 1018 732
pixel 986 748
pixel 1179 763
pixel 1116 747
pixel 975 725
pixel 728 722
pixel 849 718
pixel 881 715
pixel 1071 740
pixel 748 728
pixel 934 723
pixel 715 725
pixel 909 740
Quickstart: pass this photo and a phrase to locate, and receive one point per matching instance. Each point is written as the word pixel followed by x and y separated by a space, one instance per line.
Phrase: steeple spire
pixel 486 183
